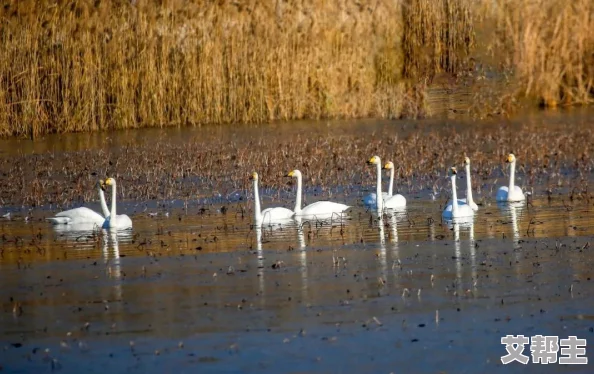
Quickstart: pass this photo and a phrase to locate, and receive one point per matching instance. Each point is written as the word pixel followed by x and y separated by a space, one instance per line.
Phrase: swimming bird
pixel 456 210
pixel 83 215
pixel 319 208
pixel 468 200
pixel 392 202
pixel 371 199
pixel 268 215
pixel 114 221
pixel 513 192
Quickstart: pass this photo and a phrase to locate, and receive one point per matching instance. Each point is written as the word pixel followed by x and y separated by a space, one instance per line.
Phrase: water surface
pixel 194 287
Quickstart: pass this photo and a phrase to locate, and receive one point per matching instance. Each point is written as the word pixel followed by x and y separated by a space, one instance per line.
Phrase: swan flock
pixel 456 209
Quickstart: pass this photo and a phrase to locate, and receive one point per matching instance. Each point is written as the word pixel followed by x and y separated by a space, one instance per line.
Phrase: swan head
pixel 101 184
pixel 294 173
pixel 452 172
pixel 389 165
pixel 254 176
pixel 466 161
pixel 109 182
pixel 510 158
pixel 375 160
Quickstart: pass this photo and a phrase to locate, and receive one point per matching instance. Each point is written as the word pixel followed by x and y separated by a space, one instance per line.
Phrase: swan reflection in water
pixel 111 258
pixel 389 222
pixel 260 261
pixel 89 236
pixel 515 211
pixel 76 231
pixel 456 226
pixel 88 230
pixel 302 258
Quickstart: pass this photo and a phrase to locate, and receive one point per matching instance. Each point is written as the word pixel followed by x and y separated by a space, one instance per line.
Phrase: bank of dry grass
pixel 548 45
pixel 89 65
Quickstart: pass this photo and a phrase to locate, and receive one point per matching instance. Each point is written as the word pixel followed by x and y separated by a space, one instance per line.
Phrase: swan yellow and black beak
pixel 510 158
pixel 108 182
pixel 254 176
pixel 290 174
pixel 388 166
pixel 466 161
pixel 102 184
pixel 453 171
pixel 372 161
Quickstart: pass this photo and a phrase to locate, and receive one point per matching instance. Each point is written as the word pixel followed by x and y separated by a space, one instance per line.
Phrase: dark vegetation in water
pixel 92 65
pixel 208 165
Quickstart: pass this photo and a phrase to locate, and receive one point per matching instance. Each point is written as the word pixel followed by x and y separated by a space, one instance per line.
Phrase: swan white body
pixel 86 217
pixel 114 221
pixel 319 208
pixel 513 192
pixel 456 210
pixel 469 200
pixel 371 199
pixel 269 215
pixel 392 202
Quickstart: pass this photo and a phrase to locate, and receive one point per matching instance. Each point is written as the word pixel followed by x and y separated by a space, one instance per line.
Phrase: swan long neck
pixel 469 199
pixel 112 220
pixel 298 197
pixel 512 177
pixel 104 207
pixel 391 185
pixel 379 197
pixel 257 209
pixel 454 197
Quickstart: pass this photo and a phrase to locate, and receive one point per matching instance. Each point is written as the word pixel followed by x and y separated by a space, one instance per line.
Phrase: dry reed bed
pixel 206 166
pixel 90 65
pixel 87 65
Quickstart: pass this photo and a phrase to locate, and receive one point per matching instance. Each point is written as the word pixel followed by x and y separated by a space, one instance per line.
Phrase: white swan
pixel 114 221
pixel 371 199
pixel 456 210
pixel 469 200
pixel 392 202
pixel 319 208
pixel 268 215
pixel 83 215
pixel 513 192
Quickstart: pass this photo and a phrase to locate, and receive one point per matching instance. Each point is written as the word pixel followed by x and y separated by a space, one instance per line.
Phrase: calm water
pixel 196 289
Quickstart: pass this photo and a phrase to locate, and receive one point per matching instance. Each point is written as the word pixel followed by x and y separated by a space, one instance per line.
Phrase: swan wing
pixel 395 202
pixel 276 214
pixel 123 222
pixel 77 215
pixel 464 210
pixel 517 194
pixel 323 207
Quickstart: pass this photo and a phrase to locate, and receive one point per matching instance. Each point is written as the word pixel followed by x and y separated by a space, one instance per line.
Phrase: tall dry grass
pixel 549 47
pixel 89 65
pixel 438 37
pixel 85 65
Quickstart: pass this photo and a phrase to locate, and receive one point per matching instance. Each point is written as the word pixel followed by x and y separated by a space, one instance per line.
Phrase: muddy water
pixel 195 288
